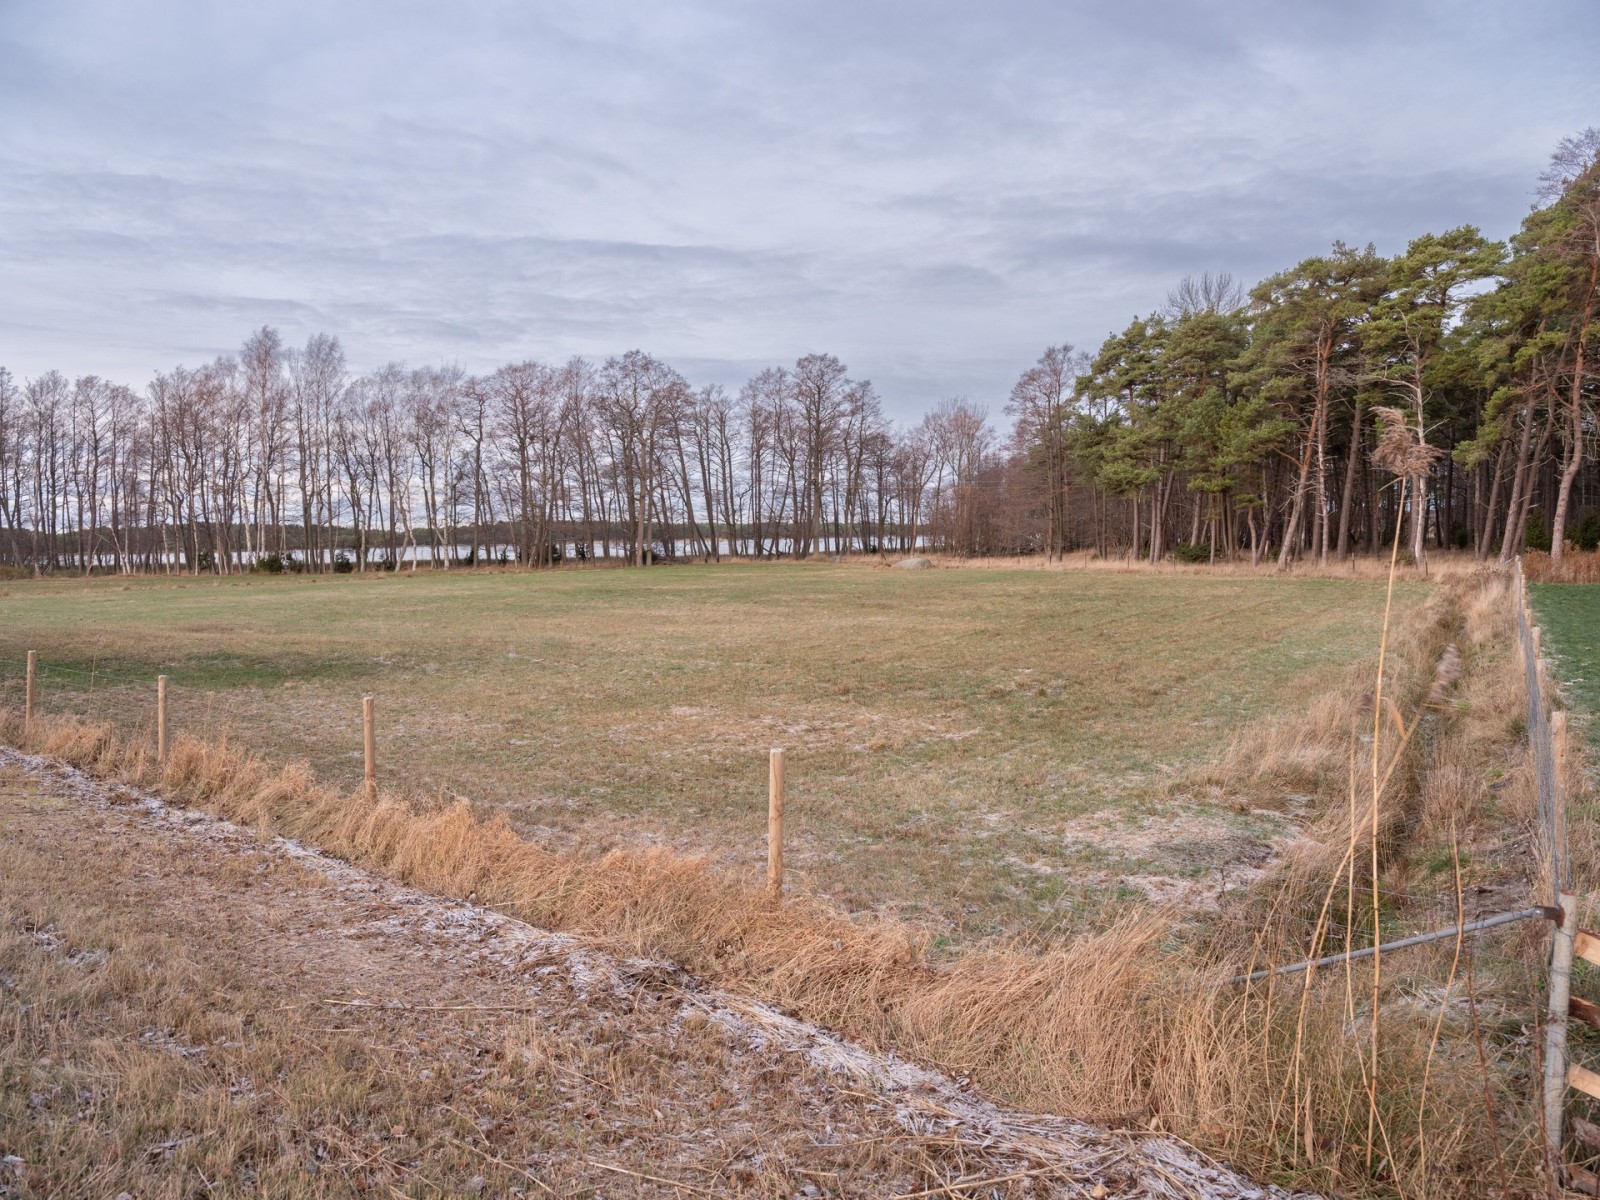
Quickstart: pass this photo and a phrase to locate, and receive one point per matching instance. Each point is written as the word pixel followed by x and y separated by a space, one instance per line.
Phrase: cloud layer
pixel 932 191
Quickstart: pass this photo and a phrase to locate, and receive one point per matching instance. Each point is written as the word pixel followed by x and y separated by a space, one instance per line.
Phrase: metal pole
pixel 1419 939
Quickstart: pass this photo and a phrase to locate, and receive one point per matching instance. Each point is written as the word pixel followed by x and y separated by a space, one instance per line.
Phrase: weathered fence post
pixel 370 745
pixel 161 719
pixel 1558 792
pixel 775 821
pixel 1555 1034
pixel 27 706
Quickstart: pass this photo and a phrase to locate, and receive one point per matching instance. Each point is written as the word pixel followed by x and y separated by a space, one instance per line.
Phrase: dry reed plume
pixel 1132 1025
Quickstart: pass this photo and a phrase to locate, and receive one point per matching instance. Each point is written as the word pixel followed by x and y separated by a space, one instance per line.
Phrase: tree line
pixel 1230 424
pixel 278 459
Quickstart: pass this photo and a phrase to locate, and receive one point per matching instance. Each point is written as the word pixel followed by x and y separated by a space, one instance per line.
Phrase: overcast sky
pixel 932 191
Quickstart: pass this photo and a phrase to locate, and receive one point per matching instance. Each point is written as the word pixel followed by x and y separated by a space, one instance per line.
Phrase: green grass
pixel 986 749
pixel 1569 613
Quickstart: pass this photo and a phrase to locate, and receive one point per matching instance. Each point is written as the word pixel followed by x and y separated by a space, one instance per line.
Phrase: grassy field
pixel 990 750
pixel 1147 710
pixel 1570 615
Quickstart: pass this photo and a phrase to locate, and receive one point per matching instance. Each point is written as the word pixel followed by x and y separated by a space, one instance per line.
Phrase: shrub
pixel 343 564
pixel 1537 536
pixel 267 564
pixel 1191 552
pixel 1586 533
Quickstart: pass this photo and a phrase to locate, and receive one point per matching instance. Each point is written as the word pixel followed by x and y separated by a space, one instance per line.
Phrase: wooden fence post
pixel 161 718
pixel 1558 792
pixel 1555 1035
pixel 370 745
pixel 27 707
pixel 775 821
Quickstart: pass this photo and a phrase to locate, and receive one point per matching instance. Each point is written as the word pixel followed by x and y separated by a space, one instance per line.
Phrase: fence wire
pixel 1281 938
pixel 1541 743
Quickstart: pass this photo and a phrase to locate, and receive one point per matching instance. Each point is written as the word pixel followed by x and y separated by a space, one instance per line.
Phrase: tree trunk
pixel 1492 507
pixel 1347 492
pixel 1520 485
pixel 1574 453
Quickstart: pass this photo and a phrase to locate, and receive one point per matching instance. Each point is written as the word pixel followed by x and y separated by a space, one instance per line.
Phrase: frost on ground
pixel 344 1034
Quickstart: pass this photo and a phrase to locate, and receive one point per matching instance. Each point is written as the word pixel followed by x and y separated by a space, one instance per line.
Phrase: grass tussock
pixel 1133 1024
pixel 1306 754
pixel 1453 775
pixel 1451 745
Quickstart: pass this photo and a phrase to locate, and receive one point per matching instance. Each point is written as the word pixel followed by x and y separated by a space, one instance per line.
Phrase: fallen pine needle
pixel 961 1186
pixel 677 1183
pixel 383 1007
pixel 534 1179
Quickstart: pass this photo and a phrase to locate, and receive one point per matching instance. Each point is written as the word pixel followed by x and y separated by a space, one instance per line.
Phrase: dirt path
pixel 189 1010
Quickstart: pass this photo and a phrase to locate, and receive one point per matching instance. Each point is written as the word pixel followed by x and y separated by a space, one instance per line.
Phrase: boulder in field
pixel 914 564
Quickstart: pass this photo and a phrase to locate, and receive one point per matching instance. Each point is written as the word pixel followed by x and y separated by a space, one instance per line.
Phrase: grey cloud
pixel 932 190
pixel 272 310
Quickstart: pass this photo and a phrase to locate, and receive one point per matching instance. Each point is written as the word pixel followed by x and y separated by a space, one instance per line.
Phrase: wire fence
pixel 128 699
pixel 1547 744
pixel 1282 939
pixel 1542 741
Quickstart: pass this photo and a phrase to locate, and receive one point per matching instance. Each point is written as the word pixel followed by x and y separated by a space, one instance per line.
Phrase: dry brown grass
pixel 1466 764
pixel 183 1014
pixel 1130 1024
pixel 1440 565
pixel 1319 752
pixel 1576 566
